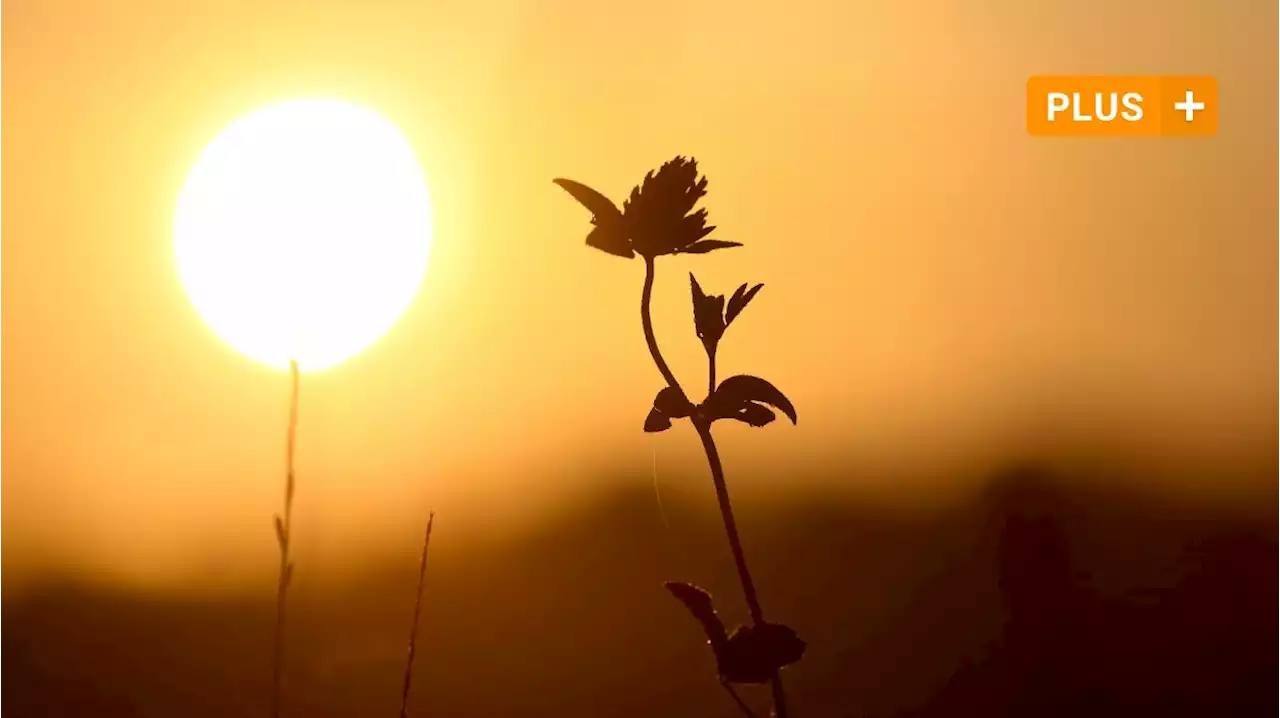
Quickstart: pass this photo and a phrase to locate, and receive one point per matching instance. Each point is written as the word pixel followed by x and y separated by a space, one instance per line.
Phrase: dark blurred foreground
pixel 1034 601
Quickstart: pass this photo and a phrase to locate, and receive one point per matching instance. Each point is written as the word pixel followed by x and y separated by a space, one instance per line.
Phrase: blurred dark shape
pixel 1043 597
pixel 1045 604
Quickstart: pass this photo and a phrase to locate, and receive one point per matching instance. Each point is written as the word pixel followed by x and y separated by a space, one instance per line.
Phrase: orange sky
pixel 941 288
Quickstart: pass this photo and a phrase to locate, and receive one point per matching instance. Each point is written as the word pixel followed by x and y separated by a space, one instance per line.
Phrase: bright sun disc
pixel 303 232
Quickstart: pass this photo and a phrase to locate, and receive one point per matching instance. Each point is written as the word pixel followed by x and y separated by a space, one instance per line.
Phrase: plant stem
pixel 730 525
pixel 646 294
pixel 711 370
pixel 746 709
pixel 417 612
pixel 735 545
pixel 717 472
pixel 284 534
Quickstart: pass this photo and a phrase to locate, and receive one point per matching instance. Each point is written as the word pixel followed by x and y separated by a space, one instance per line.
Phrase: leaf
pixel 605 215
pixel 610 240
pixel 695 229
pixel 779 644
pixel 708 245
pixel 281 537
pixel 715 315
pixel 737 296
pixel 286 578
pixel 755 414
pixel 602 208
pixel 697 600
pixel 699 604
pixel 656 422
pixel 739 301
pixel 731 399
pixel 673 403
pixel 698 295
pixel 756 653
pixel 708 315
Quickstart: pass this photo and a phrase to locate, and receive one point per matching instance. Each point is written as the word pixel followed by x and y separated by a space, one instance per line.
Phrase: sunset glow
pixel 303 232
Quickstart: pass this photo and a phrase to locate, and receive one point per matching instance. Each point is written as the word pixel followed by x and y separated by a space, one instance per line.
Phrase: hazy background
pixel 943 292
pixel 1036 470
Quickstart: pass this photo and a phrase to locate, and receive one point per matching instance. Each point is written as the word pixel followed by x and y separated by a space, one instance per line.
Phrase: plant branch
pixel 417 613
pixel 284 536
pixel 735 545
pixel 717 475
pixel 779 696
pixel 711 371
pixel 646 320
pixel 746 709
pixel 730 525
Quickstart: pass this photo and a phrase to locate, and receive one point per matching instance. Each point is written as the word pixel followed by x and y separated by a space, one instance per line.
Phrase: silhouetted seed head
pixel 659 216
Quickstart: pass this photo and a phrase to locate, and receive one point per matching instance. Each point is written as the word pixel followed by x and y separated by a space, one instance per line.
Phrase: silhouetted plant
pixel 284 537
pixel 417 614
pixel 659 217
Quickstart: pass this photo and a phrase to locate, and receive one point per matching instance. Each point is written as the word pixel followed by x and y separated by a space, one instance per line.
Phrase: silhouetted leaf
pixel 694 226
pixel 698 600
pixel 736 298
pixel 699 604
pixel 656 421
pixel 699 296
pixel 752 654
pixel 708 315
pixel 608 235
pixel 601 207
pixel 755 414
pixel 708 245
pixel 673 404
pixel 286 578
pixel 280 535
pixel 739 301
pixel 609 241
pixel 736 396
pixel 781 644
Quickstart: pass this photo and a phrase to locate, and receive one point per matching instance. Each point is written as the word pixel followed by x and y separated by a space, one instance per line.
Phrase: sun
pixel 303 232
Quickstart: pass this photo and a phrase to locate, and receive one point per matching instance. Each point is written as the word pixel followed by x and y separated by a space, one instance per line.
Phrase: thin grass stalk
pixel 417 613
pixel 284 535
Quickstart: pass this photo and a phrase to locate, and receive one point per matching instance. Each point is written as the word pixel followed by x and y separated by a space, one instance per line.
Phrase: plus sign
pixel 1189 106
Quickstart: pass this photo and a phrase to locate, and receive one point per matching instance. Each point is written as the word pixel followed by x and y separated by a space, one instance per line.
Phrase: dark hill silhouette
pixel 1036 600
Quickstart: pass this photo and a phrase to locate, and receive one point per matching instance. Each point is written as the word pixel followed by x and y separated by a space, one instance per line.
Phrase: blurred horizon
pixel 945 296
pixel 1038 597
